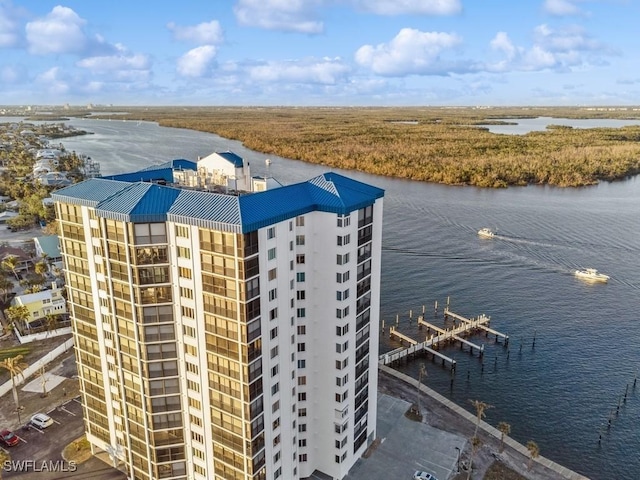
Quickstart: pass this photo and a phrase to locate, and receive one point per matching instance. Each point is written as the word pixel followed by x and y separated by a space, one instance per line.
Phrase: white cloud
pixel 410 7
pixel 9 25
pixel 60 31
pixel 502 42
pixel 197 62
pixel 123 60
pixel 560 50
pixel 209 33
pixel 53 81
pixel 324 71
pixel 410 52
pixel 13 74
pixel 287 15
pixel 562 7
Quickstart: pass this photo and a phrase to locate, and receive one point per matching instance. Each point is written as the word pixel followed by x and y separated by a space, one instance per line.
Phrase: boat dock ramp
pixel 440 336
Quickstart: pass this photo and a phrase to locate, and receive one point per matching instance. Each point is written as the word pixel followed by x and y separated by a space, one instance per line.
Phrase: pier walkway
pixel 430 345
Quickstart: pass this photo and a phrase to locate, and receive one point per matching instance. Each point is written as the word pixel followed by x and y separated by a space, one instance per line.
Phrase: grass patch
pixel 499 471
pixel 13 351
pixel 77 451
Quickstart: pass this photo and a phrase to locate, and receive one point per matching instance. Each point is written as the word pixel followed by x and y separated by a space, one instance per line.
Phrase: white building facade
pixel 226 337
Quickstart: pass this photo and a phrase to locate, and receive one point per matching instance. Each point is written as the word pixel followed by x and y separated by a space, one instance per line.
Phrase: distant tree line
pixel 439 145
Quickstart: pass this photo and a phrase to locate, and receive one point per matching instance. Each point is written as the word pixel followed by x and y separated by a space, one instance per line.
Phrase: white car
pixel 41 420
pixel 419 475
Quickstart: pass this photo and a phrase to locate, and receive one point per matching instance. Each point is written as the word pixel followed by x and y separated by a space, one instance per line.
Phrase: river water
pixel 558 391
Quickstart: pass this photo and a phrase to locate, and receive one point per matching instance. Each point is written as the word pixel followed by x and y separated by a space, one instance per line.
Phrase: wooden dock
pixel 443 336
pixel 482 322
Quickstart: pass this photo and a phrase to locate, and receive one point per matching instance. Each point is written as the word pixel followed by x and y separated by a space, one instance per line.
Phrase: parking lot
pixel 38 445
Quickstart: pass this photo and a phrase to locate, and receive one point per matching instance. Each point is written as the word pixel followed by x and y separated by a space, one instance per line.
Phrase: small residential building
pixel 41 304
pixel 48 247
pixel 24 260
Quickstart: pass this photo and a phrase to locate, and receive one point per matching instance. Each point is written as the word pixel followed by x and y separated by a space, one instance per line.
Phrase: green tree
pixel 18 314
pixel 11 263
pixel 15 366
pixel 505 429
pixel 6 288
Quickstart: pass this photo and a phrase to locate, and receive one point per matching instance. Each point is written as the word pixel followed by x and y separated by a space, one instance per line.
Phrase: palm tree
pixel 11 263
pixel 480 408
pixel 51 322
pixel 17 313
pixel 505 429
pixel 43 378
pixel 6 287
pixel 41 267
pixel 534 452
pixel 4 457
pixel 15 366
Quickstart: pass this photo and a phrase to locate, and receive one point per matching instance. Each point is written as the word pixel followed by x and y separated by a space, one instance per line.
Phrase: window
pixel 302 412
pixel 300 259
pixel 274 333
pixel 302 427
pixel 273 314
pixel 301 313
pixel 342 295
pixel 302 443
pixel 342 347
pixel 273 294
pixel 275 407
pixel 276 423
pixel 344 240
pixel 272 274
pixel 299 221
pixel 182 231
pixel 274 352
pixel 185 272
pixel 299 239
pixel 302 364
pixel 342 330
pixel 302 329
pixel 342 259
pixel 344 221
pixel 300 277
pixel 302 347
pixel 300 294
pixel 302 396
pixel 271 253
pixel 342 277
pixel 271 232
pixel 303 457
pixel 302 380
pixel 342 313
pixel 275 389
pixel 184 252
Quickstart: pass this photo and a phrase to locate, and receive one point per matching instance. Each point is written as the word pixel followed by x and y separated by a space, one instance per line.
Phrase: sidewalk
pixel 33 402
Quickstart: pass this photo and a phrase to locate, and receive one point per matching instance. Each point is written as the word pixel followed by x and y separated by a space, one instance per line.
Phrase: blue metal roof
pixel 154 173
pixel 147 202
pixel 232 157
pixel 90 192
pixel 141 202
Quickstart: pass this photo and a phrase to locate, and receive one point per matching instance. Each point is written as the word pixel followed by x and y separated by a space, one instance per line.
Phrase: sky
pixel 320 52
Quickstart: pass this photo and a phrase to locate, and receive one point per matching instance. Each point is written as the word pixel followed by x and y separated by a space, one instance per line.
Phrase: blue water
pixel 558 393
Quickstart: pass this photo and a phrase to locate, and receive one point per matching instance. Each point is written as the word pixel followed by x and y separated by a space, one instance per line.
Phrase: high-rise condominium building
pixel 224 336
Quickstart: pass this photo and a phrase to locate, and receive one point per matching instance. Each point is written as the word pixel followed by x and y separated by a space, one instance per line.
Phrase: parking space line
pixel 65 410
pixel 55 421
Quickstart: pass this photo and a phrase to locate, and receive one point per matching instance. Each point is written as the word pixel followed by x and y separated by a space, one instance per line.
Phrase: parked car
pixel 8 438
pixel 420 475
pixel 41 420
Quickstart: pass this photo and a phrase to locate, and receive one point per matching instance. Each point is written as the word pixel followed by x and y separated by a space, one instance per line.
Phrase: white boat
pixel 268 161
pixel 592 274
pixel 486 233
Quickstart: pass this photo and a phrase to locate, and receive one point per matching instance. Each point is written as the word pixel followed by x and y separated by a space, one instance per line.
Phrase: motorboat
pixel 486 233
pixel 592 274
